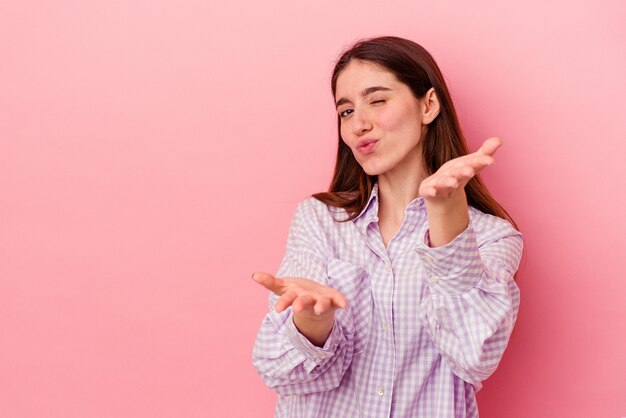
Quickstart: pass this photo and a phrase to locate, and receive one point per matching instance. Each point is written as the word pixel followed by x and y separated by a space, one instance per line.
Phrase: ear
pixel 430 106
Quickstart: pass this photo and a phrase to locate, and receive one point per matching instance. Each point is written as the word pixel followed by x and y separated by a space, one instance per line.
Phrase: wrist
pixel 448 205
pixel 316 328
pixel 446 221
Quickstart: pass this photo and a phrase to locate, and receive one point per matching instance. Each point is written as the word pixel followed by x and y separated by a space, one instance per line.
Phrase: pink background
pixel 152 154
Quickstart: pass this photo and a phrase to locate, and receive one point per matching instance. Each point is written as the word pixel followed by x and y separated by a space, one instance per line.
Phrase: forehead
pixel 361 74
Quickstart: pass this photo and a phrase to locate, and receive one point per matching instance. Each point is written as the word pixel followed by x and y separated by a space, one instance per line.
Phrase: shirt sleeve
pixel 284 358
pixel 472 300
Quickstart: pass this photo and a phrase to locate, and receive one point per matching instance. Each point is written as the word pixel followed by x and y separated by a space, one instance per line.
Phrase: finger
pixel 462 173
pixel 270 282
pixel 431 191
pixel 475 161
pixel 467 172
pixel 450 181
pixel 322 305
pixel 427 188
pixel 427 191
pixel 340 300
pixel 490 146
pixel 303 302
pixel 445 181
pixel 285 300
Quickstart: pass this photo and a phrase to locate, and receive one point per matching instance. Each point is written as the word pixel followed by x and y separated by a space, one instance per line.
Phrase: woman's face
pixel 376 108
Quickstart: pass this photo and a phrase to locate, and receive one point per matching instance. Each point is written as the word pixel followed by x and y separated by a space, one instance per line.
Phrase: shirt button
pixel 386 327
pixel 388 268
pixel 433 279
pixel 429 259
pixel 411 228
pixel 381 391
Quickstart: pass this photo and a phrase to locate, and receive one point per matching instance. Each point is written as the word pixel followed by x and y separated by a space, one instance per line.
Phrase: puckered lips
pixel 366 146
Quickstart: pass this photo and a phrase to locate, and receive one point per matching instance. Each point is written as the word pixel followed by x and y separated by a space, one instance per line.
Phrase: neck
pixel 397 188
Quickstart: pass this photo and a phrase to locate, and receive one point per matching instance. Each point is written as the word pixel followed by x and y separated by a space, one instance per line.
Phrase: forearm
pixel 487 312
pixel 291 365
pixel 446 220
pixel 472 299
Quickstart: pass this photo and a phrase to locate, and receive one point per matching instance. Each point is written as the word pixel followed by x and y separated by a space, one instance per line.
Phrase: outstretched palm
pixel 304 295
pixel 451 178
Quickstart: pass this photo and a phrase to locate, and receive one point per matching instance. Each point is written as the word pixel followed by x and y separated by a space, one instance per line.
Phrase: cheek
pixel 344 132
pixel 400 119
pixel 392 119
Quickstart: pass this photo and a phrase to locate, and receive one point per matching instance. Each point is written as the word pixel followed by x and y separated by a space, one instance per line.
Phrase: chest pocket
pixel 354 282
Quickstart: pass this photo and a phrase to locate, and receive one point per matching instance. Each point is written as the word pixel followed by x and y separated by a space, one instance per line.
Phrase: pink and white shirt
pixel 424 326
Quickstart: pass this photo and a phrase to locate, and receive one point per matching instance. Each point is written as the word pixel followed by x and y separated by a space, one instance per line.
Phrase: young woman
pixel 396 296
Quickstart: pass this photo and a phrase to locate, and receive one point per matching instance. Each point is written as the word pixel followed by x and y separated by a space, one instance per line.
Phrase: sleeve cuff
pixel 455 267
pixel 314 355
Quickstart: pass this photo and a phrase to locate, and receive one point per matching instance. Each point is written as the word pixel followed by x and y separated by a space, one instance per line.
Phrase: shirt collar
pixel 369 213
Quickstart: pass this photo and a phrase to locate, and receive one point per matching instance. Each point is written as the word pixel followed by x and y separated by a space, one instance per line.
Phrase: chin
pixel 372 170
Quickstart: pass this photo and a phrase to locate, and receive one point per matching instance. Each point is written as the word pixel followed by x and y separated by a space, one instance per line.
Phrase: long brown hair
pixel 350 187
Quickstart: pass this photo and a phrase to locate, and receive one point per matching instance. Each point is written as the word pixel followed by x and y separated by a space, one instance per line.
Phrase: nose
pixel 360 123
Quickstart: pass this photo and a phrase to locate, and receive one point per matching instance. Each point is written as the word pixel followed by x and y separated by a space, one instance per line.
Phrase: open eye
pixel 343 114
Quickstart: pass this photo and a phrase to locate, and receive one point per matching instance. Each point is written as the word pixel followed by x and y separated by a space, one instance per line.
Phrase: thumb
pixel 268 281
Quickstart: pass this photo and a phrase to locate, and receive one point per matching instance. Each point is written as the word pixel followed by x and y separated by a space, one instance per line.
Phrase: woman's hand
pixel 313 304
pixel 444 193
pixel 303 295
pixel 450 180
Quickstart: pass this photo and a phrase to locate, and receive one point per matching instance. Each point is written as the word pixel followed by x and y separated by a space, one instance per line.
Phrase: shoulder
pixel 318 214
pixel 313 228
pixel 317 218
pixel 312 205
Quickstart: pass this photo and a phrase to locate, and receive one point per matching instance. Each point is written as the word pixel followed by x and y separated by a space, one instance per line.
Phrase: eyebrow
pixel 364 93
